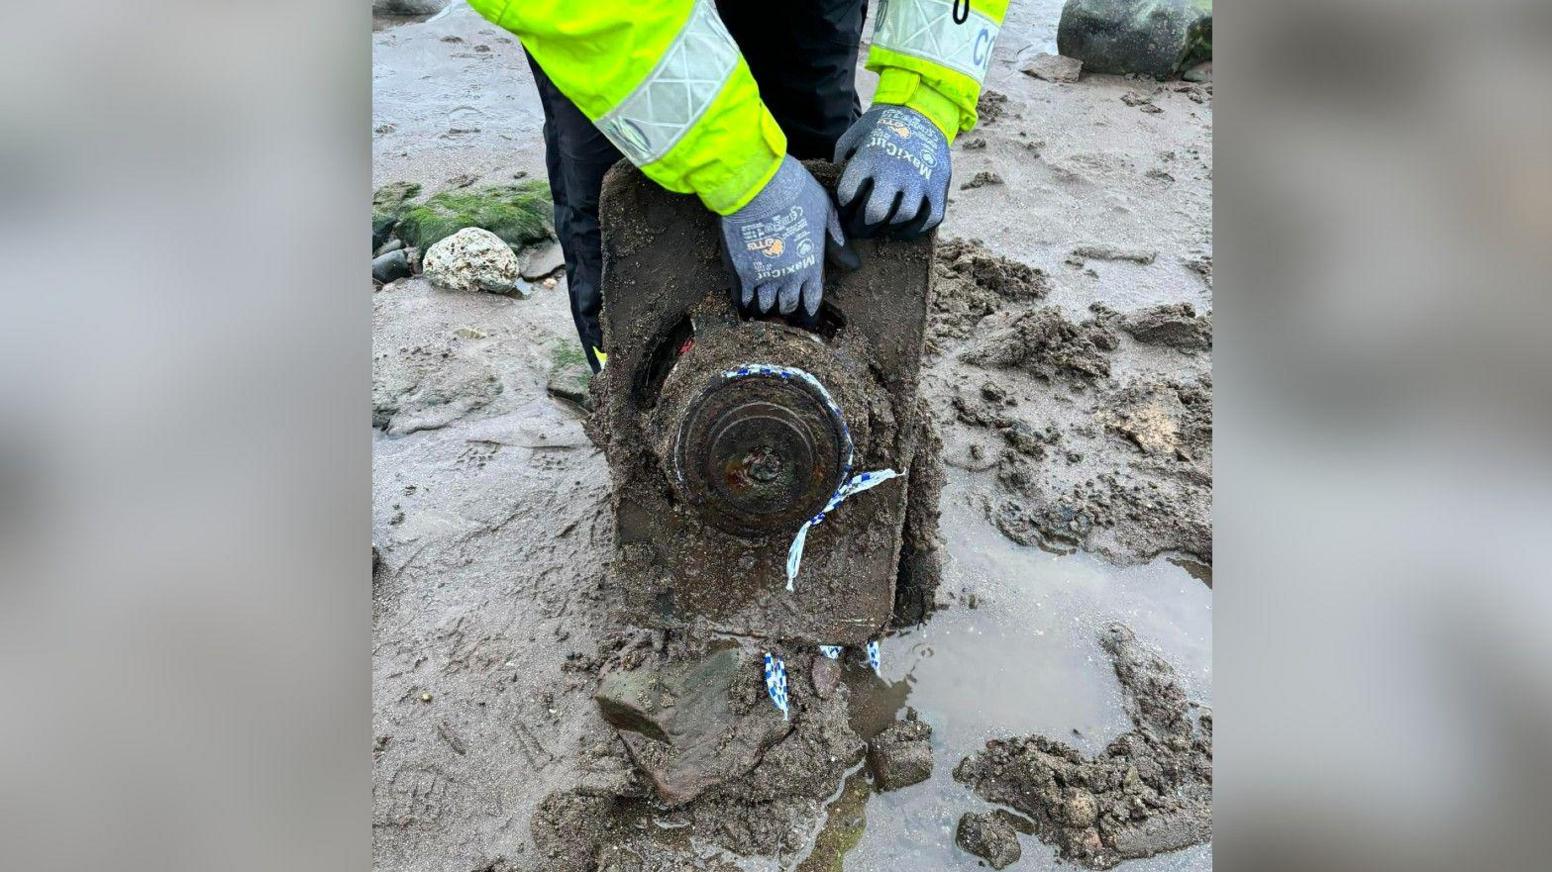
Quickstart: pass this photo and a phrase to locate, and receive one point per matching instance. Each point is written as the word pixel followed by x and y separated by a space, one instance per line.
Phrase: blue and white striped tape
pixel 776 682
pixel 854 484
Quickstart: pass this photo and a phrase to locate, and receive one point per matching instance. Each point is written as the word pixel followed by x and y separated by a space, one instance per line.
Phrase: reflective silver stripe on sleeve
pixel 926 29
pixel 674 96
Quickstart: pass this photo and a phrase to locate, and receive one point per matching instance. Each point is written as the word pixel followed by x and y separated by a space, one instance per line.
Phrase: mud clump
pixel 970 283
pixel 1044 343
pixel 1152 487
pixel 1172 325
pixel 901 755
pixel 1148 792
pixel 1164 419
pixel 769 804
pixel 990 106
pixel 990 837
pixel 1081 459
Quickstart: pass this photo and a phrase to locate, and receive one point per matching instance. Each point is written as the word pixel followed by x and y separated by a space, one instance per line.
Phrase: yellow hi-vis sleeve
pixel 928 61
pixel 664 81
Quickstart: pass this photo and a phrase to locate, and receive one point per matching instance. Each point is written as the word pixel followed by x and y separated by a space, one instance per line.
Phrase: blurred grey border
pixel 184 436
pixel 1383 285
pixel 184 451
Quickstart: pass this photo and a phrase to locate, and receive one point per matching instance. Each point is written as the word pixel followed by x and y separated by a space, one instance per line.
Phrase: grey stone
pixel 901 755
pixel 826 675
pixel 408 7
pixel 1157 38
pixel 390 266
pixel 471 260
pixel 1054 68
pixel 989 837
pixel 543 261
pixel 681 724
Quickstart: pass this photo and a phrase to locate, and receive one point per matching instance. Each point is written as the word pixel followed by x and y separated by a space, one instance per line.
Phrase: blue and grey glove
pixel 896 177
pixel 777 244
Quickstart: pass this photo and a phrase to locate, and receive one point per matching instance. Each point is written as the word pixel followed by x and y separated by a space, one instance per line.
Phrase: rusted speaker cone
pixel 758 453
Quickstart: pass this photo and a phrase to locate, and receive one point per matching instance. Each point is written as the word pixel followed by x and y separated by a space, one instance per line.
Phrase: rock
pixel 679 720
pixel 989 837
pixel 1200 73
pixel 1078 810
pixel 1157 38
pixel 519 214
pixel 901 755
pixel 1054 68
pixel 408 7
pixel 825 675
pixel 390 245
pixel 388 205
pixel 543 261
pixel 471 260
pixel 390 266
pixel 1174 325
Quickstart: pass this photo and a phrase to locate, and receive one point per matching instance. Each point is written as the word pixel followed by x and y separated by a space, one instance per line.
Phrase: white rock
pixel 471 260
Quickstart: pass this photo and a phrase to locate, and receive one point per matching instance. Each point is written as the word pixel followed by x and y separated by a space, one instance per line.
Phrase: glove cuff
pixel 905 88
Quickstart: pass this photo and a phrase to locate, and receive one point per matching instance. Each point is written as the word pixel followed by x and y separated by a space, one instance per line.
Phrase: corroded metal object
pixel 714 475
pixel 758 453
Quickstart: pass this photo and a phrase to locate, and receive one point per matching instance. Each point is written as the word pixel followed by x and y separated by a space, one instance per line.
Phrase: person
pixel 723 100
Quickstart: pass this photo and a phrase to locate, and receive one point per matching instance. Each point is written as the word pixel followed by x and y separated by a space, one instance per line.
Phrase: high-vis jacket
pixel 664 81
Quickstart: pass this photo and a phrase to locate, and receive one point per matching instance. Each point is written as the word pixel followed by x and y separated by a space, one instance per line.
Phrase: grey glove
pixel 896 177
pixel 776 245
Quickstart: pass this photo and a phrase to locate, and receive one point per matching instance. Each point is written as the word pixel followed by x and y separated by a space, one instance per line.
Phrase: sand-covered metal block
pixel 713 475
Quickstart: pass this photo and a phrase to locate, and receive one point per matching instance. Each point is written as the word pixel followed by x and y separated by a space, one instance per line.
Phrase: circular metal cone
pixel 759 453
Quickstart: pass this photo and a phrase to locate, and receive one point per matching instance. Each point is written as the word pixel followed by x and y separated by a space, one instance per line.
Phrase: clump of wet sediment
pixel 1148 792
pixel 701 768
pixel 1045 344
pixel 1091 432
pixel 969 283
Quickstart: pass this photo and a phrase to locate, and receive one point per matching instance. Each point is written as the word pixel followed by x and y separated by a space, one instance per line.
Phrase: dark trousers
pixel 804 59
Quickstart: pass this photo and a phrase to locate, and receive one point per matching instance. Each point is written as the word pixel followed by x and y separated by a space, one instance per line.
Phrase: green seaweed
pixel 388 203
pixel 520 214
pixel 564 354
pixel 844 825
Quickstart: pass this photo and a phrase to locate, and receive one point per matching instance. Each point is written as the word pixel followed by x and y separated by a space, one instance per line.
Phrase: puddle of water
pixel 1024 660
